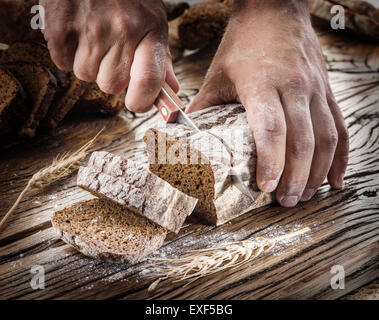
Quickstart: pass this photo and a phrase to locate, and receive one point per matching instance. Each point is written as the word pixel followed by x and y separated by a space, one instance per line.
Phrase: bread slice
pixel 28 51
pixel 40 86
pixel 131 185
pixel 96 101
pixel 199 163
pixel 103 230
pixel 13 111
pixel 64 103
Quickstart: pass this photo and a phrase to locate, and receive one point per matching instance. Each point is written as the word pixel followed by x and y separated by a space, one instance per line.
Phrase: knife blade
pixel 172 109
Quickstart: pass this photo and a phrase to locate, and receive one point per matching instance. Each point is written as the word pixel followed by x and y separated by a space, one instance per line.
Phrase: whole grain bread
pixel 64 103
pixel 198 163
pixel 33 52
pixel 204 22
pixel 13 111
pixel 40 86
pixel 104 230
pixel 96 101
pixel 133 186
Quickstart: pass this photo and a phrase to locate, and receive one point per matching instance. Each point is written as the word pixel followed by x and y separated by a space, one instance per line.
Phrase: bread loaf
pixel 131 185
pixel 199 164
pixel 104 230
pixel 64 103
pixel 13 111
pixel 33 52
pixel 96 101
pixel 40 86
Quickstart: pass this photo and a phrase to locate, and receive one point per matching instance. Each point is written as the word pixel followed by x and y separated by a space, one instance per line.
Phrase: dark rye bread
pixel 103 230
pixel 34 53
pixel 12 109
pixel 40 86
pixel 96 101
pixel 198 163
pixel 63 104
pixel 133 186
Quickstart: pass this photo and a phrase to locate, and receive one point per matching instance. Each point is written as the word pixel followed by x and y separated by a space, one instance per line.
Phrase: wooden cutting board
pixel 344 223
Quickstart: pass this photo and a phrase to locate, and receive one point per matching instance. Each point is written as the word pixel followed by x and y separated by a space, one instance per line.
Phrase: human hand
pixel 118 43
pixel 270 60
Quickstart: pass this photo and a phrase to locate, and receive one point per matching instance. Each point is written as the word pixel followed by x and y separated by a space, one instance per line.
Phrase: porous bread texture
pixel 40 86
pixel 12 109
pixel 103 230
pixel 132 185
pixel 204 170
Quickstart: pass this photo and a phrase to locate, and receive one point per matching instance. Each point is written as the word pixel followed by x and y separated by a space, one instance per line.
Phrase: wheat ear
pixel 61 167
pixel 204 262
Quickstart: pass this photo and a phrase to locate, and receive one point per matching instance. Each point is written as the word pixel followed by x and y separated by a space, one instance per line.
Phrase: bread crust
pixel 149 240
pixel 14 113
pixel 221 127
pixel 129 184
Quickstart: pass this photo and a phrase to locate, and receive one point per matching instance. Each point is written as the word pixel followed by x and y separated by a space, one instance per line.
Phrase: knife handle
pixel 166 106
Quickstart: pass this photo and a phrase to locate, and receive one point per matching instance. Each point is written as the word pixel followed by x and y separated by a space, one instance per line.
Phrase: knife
pixel 172 110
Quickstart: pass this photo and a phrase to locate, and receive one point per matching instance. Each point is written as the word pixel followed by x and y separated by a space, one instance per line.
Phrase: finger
pixel 216 90
pixel 147 74
pixel 62 44
pixel 326 138
pixel 89 53
pixel 299 149
pixel 266 119
pixel 341 156
pixel 171 79
pixel 114 70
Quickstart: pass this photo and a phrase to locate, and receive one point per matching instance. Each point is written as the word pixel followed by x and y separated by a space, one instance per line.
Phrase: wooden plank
pixel 344 223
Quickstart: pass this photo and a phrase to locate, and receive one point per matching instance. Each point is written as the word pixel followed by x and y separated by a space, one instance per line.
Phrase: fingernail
pixel 340 181
pixel 269 186
pixel 289 201
pixel 307 194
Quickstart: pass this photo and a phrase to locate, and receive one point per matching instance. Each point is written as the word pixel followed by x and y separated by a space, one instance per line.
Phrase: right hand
pixel 118 43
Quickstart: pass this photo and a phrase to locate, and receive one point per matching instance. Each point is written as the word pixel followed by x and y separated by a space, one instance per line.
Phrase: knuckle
pixel 93 32
pixel 83 73
pixel 107 86
pixel 149 81
pixel 272 129
pixel 302 147
pixel 343 135
pixel 329 141
pixel 126 28
pixel 297 82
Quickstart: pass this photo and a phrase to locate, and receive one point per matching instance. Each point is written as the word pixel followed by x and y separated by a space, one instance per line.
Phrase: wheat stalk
pixel 204 262
pixel 62 166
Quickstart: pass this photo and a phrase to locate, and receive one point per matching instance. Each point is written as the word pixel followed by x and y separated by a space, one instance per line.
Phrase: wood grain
pixel 344 223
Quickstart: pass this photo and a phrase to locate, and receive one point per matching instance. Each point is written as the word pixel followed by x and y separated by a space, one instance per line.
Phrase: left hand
pixel 270 60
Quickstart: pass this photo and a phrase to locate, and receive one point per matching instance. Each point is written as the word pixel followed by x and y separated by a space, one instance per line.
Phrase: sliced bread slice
pixel 64 103
pixel 13 111
pixel 96 101
pixel 29 51
pixel 129 184
pixel 40 86
pixel 104 230
pixel 199 163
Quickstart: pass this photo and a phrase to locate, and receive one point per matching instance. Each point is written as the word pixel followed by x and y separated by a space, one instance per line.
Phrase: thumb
pixel 216 90
pixel 171 79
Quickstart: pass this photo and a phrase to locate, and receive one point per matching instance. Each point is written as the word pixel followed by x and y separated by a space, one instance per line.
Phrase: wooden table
pixel 344 223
